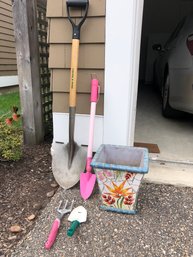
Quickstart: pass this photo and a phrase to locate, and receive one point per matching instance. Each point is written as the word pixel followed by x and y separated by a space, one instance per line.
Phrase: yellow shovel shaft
pixel 73 72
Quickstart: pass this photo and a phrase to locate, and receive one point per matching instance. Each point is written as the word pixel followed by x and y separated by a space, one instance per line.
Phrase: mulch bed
pixel 26 188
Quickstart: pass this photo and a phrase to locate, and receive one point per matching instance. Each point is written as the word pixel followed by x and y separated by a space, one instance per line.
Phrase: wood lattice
pixel 44 70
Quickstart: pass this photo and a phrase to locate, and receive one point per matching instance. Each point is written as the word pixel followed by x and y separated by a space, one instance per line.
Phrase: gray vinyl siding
pixel 8 64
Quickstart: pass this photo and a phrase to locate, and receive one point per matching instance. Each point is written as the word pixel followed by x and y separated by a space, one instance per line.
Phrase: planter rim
pixel 134 169
pixel 123 211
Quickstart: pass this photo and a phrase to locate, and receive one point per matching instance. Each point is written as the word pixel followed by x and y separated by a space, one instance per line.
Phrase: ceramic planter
pixel 119 171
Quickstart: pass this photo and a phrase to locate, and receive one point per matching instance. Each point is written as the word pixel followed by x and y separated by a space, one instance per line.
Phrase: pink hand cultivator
pixel 56 224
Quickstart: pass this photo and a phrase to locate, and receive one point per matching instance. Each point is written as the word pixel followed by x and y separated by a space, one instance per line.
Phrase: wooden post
pixel 27 51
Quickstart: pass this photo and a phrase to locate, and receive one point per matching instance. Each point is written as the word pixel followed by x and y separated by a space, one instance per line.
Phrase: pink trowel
pixel 88 179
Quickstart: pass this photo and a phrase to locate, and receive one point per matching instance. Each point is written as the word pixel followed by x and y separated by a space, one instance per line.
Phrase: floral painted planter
pixel 119 171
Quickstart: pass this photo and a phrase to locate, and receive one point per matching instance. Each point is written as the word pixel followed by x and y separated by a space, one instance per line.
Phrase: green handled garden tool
pixel 77 216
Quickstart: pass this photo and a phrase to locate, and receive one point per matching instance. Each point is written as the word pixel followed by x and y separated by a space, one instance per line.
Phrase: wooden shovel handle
pixel 73 72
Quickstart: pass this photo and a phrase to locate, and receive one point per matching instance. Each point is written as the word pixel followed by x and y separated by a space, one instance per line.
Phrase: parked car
pixel 173 69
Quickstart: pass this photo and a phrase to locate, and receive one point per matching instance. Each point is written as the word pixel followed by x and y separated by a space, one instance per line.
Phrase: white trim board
pixel 122 50
pixel 61 121
pixel 7 81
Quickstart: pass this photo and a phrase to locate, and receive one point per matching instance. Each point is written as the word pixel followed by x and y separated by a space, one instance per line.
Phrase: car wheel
pixel 167 110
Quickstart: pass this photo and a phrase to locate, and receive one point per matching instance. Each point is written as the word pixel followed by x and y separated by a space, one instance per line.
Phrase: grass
pixel 10 133
pixel 7 101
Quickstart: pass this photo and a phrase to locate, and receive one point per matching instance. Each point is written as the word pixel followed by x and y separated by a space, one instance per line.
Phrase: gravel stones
pixel 162 227
pixel 50 194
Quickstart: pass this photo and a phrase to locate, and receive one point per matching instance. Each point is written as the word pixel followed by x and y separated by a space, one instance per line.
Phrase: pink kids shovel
pixel 88 179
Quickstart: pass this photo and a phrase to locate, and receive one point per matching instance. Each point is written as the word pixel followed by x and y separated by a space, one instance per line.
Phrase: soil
pixel 26 187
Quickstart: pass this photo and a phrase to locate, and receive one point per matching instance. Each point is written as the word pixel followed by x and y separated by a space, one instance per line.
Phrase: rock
pixel 15 228
pixel 50 194
pixel 54 184
pixel 31 217
pixel 12 237
pixel 37 206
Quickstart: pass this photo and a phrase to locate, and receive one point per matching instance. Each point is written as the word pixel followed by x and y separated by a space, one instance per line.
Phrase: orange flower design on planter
pixel 122 194
pixel 118 191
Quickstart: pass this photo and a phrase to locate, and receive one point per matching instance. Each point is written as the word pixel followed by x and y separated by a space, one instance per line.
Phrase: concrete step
pixel 172 173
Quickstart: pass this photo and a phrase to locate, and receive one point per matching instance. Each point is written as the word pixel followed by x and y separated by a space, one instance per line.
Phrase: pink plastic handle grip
pixel 94 90
pixel 53 234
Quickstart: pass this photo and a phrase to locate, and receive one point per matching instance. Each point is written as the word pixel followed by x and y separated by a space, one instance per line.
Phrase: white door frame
pixel 123 37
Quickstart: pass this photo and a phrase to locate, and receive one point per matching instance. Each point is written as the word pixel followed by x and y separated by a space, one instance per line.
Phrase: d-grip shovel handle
pixel 73 226
pixel 75 3
pixel 53 233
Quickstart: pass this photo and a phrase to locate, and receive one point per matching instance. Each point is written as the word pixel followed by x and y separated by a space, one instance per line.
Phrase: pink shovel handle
pixel 94 90
pixel 88 162
pixel 53 234
pixel 93 99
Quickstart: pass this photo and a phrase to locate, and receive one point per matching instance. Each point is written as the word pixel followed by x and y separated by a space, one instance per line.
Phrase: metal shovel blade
pixel 87 183
pixel 64 176
pixel 72 146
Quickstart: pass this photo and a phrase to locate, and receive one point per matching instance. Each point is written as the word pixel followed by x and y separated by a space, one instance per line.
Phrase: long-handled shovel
pixel 73 147
pixel 88 179
pixel 67 161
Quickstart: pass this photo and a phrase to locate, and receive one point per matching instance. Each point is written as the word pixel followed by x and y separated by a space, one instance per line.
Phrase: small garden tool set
pixel 118 170
pixel 74 158
pixel 77 216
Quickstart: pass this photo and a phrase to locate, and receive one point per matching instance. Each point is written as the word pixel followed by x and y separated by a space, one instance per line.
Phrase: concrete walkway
pixel 162 227
pixel 171 173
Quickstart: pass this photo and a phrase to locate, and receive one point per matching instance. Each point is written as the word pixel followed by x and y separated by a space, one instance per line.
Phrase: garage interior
pixel 174 137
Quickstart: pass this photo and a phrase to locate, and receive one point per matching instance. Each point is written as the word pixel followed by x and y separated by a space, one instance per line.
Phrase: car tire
pixel 167 110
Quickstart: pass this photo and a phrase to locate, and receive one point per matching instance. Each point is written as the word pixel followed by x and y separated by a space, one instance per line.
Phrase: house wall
pixel 121 61
pixel 91 61
pixel 91 55
pixel 8 65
